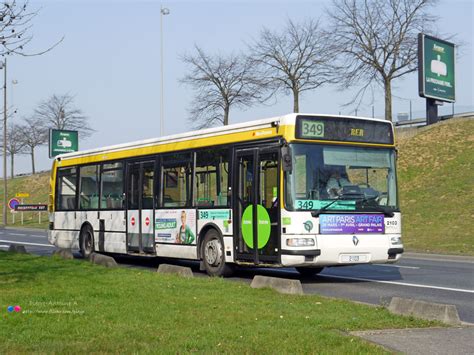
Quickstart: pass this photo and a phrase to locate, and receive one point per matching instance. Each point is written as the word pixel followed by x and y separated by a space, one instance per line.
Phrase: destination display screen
pixel 343 129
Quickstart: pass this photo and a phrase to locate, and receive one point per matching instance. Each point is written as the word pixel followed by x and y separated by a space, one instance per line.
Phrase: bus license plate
pixel 353 258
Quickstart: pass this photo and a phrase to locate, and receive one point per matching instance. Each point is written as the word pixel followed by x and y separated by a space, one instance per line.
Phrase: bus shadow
pixel 334 275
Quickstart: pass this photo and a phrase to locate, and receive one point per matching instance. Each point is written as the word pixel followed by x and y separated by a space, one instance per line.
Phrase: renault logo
pixel 355 240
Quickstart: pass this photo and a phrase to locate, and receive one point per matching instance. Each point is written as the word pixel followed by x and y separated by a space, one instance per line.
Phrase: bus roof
pixel 288 119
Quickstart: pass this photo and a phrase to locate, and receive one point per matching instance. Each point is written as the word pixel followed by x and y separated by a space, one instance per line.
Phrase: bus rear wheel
pixel 213 256
pixel 87 242
pixel 309 271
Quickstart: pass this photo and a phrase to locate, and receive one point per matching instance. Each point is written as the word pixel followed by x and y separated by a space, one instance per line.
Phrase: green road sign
pixel 436 68
pixel 62 141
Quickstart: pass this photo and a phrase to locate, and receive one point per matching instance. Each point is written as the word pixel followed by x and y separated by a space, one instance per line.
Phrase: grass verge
pixel 38 187
pixel 74 306
pixel 436 180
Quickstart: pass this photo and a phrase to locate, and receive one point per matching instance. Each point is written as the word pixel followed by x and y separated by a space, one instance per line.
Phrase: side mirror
pixel 286 159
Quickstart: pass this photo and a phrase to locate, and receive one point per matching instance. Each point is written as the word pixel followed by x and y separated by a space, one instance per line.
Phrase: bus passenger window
pixel 112 186
pixel 66 195
pixel 176 182
pixel 89 188
pixel 211 178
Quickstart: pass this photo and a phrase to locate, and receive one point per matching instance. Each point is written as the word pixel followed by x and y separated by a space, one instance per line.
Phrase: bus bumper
pixel 335 250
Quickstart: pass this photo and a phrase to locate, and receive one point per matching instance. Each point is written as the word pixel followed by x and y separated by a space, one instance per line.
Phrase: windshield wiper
pixel 325 208
pixel 376 207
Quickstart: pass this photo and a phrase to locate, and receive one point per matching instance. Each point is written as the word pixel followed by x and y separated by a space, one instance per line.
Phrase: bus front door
pixel 256 205
pixel 140 207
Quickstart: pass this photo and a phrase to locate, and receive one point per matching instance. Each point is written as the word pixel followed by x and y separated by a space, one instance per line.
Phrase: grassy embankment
pixel 436 181
pixel 74 306
pixel 38 187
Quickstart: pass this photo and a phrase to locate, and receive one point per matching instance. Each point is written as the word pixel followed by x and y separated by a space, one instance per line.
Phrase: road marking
pixel 4 246
pixel 399 266
pixel 397 283
pixel 18 234
pixel 20 243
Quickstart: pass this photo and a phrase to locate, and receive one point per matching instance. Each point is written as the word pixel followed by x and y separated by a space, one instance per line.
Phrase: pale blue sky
pixel 110 61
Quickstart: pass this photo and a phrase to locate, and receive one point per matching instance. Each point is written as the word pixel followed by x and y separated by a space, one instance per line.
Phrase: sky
pixel 109 61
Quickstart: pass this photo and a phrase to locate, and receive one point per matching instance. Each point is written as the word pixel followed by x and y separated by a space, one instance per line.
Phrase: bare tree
pixel 15 28
pixel 376 41
pixel 219 82
pixel 15 144
pixel 33 134
pixel 59 112
pixel 294 60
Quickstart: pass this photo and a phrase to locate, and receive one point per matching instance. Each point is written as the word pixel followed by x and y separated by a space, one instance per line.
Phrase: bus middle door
pixel 256 205
pixel 140 204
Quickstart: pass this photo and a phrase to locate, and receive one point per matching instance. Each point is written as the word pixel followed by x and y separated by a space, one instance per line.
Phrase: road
pixel 432 278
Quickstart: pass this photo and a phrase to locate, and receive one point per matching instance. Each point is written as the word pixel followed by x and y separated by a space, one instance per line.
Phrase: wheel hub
pixel 213 253
pixel 88 242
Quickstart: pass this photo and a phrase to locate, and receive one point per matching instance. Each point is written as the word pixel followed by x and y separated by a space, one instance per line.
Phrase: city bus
pixel 301 190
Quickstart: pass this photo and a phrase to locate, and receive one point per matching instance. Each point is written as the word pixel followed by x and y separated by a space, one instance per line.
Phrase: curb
pixel 286 286
pixel 446 313
pixel 175 269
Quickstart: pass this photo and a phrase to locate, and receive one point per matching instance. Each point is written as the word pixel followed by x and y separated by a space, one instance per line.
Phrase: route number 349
pixel 312 129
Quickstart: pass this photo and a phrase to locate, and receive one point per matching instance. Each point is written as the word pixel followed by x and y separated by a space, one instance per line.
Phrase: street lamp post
pixel 3 65
pixel 163 12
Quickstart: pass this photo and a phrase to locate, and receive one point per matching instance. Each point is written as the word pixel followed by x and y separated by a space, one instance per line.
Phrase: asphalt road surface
pixel 433 278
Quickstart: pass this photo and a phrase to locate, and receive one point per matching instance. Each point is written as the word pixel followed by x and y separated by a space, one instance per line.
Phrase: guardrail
pixel 419 122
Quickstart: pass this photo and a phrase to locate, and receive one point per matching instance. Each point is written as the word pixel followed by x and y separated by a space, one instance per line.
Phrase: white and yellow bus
pixel 300 190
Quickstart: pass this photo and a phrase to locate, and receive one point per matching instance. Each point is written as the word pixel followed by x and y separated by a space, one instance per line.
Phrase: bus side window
pixel 176 184
pixel 112 186
pixel 89 187
pixel 66 189
pixel 211 178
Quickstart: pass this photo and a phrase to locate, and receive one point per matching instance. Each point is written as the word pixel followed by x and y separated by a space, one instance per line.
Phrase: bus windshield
pixel 341 178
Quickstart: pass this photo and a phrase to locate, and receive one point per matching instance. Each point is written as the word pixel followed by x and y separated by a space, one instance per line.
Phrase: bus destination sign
pixel 343 129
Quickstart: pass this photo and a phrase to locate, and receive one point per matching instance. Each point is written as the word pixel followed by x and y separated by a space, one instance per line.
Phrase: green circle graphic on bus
pixel 263 226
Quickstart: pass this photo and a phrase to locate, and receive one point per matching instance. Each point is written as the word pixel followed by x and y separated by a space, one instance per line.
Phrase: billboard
pixel 436 68
pixel 62 141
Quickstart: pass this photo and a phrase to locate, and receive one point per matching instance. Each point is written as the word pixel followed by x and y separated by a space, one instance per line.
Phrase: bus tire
pixel 212 253
pixel 86 242
pixel 309 271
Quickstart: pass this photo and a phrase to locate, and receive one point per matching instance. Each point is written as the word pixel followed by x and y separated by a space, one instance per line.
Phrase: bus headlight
pixel 396 240
pixel 300 242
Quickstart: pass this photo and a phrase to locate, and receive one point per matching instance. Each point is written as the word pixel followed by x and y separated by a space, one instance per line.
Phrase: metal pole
pixel 431 111
pixel 161 71
pixel 410 111
pixel 161 63
pixel 163 11
pixel 373 111
pixel 5 142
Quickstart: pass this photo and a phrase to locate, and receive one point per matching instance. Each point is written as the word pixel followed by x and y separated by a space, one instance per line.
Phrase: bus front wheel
pixel 213 256
pixel 87 242
pixel 309 271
